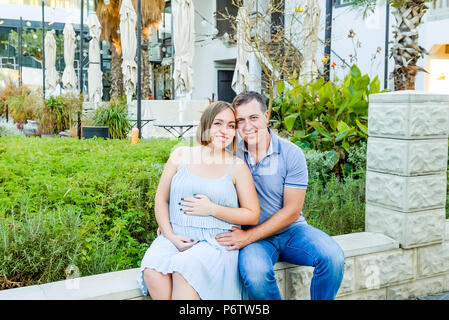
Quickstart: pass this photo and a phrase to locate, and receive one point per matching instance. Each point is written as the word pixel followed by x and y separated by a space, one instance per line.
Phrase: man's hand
pixel 234 240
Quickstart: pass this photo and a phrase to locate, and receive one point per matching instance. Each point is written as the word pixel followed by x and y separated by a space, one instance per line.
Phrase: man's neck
pixel 259 149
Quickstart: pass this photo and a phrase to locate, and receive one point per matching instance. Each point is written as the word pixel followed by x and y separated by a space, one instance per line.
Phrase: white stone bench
pixel 376 268
pixel 122 284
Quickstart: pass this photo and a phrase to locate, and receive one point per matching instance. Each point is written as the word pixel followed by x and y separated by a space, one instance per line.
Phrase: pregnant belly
pixel 201 234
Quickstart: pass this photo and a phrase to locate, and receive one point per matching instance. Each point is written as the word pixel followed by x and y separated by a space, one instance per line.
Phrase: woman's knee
pixel 153 278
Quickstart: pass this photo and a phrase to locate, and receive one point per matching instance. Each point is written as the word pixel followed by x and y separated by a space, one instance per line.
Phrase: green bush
pixel 115 116
pixel 109 184
pixel 37 248
pixel 59 113
pixel 336 207
pixel 320 165
pixel 326 116
pixel 90 203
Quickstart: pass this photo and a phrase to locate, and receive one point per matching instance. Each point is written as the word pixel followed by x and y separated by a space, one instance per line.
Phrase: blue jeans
pixel 302 245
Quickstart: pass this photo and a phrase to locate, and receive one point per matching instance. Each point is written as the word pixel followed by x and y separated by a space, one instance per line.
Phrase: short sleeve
pixel 297 176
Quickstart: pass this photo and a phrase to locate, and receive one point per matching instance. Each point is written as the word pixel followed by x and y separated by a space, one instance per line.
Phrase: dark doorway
pixel 225 92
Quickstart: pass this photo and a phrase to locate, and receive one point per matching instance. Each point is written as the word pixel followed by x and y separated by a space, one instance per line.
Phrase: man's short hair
pixel 248 96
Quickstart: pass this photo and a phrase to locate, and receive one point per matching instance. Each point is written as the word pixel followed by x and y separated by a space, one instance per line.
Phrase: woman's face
pixel 222 131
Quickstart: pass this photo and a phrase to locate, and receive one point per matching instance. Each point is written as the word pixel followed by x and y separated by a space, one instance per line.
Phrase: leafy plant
pixel 336 206
pixel 325 116
pixel 58 113
pixel 110 184
pixel 24 106
pixel 115 116
pixel 38 247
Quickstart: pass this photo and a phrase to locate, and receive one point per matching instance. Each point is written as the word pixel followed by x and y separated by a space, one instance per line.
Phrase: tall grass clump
pixel 59 113
pixel 333 204
pixel 115 116
pixel 37 248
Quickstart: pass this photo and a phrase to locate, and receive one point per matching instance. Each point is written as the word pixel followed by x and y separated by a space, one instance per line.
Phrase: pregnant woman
pixel 185 261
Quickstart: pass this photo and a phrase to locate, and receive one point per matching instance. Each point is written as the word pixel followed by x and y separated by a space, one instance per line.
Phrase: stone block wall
pixel 394 274
pixel 406 176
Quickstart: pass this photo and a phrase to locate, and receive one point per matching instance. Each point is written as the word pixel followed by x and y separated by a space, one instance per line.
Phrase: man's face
pixel 251 122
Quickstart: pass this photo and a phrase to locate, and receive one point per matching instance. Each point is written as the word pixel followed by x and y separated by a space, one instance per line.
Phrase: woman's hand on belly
pixel 181 242
pixel 199 205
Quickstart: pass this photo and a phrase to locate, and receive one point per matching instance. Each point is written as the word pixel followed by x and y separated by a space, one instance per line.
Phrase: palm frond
pixel 151 11
pixel 109 18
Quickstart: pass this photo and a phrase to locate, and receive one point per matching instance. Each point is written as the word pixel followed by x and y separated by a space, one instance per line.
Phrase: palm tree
pixel 109 16
pixel 405 49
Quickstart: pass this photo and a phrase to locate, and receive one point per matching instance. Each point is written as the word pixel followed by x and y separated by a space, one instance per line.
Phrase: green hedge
pixel 101 191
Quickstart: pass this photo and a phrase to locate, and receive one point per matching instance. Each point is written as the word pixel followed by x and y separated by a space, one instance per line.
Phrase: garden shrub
pixel 336 207
pixel 326 116
pixel 58 113
pixel 115 116
pixel 109 184
pixel 37 248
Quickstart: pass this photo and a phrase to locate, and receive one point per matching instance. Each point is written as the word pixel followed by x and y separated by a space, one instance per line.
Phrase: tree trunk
pixel 145 72
pixel 405 49
pixel 116 74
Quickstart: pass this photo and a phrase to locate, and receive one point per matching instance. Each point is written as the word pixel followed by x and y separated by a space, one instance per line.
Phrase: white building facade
pixel 215 57
pixel 366 49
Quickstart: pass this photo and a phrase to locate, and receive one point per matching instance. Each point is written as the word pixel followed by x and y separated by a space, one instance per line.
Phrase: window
pixel 277 16
pixel 225 7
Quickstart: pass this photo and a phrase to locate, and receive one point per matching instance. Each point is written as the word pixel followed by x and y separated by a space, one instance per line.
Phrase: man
pixel 280 174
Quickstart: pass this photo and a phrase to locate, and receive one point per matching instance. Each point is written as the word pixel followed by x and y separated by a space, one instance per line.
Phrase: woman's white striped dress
pixel 207 266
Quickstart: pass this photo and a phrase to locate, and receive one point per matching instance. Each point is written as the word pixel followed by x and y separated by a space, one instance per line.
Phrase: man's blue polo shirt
pixel 283 165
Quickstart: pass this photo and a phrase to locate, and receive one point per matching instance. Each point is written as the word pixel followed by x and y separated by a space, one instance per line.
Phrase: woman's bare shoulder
pixel 180 155
pixel 240 164
pixel 240 169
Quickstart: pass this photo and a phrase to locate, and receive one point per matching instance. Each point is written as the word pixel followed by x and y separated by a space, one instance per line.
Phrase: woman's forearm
pixel 240 216
pixel 161 210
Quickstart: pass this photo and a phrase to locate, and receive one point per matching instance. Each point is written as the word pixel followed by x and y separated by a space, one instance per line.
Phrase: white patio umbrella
pixel 94 74
pixel 69 78
pixel 309 34
pixel 240 77
pixel 184 45
pixel 128 21
pixel 51 75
